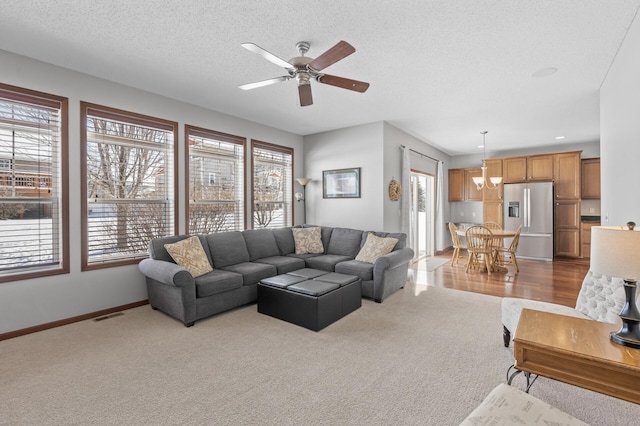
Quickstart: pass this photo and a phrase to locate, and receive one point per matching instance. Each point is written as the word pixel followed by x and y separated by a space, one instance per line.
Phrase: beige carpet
pixel 426 356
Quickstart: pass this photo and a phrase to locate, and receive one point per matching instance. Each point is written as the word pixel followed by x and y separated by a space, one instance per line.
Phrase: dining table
pixel 500 234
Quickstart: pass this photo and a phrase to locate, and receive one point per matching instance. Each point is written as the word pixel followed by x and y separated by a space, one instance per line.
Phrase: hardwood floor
pixel 556 282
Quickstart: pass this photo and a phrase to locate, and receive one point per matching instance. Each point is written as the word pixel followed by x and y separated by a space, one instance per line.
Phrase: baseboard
pixel 41 327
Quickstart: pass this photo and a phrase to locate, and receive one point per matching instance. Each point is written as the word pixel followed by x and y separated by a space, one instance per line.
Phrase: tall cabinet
pixel 566 171
pixel 492 199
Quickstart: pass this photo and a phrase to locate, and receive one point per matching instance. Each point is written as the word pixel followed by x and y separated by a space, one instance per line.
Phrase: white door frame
pixel 422 224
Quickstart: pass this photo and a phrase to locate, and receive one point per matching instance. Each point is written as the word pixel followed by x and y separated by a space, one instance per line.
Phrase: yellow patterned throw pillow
pixel 189 254
pixel 375 247
pixel 308 240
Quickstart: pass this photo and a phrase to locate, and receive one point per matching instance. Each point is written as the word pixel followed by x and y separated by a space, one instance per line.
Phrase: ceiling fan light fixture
pixel 304 68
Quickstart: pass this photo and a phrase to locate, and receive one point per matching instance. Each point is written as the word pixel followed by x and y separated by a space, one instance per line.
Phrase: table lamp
pixel 615 251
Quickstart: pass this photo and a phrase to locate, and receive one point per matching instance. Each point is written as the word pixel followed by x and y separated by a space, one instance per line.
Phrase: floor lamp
pixel 615 251
pixel 301 197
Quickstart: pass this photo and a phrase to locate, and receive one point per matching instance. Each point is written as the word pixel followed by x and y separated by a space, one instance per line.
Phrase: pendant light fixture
pixel 481 182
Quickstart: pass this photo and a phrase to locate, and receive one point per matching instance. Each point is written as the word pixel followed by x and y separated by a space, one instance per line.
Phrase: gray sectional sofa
pixel 240 259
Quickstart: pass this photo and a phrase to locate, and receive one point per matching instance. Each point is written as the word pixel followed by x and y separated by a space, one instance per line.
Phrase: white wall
pixel 33 302
pixel 358 146
pixel 620 134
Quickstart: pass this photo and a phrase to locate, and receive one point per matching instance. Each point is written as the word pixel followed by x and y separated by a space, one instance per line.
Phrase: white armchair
pixel 614 251
pixel 601 298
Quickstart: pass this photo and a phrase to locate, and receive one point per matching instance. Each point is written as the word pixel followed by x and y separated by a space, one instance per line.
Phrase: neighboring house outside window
pixel 215 181
pixel 34 184
pixel 272 185
pixel 129 184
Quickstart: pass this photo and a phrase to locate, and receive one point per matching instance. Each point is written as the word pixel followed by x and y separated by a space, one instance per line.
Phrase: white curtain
pixel 439 207
pixel 405 200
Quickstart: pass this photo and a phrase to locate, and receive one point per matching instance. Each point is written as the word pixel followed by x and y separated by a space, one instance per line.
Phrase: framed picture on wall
pixel 341 183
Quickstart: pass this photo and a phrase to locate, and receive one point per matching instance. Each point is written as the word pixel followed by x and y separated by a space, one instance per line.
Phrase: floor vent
pixel 117 314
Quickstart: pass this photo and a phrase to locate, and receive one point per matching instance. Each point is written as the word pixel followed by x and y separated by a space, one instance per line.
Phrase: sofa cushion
pixel 252 272
pixel 260 243
pixel 325 234
pixel 283 264
pixel 326 262
pixel 157 250
pixel 308 240
pixel 189 254
pixel 345 242
pixel 227 248
pixel 362 270
pixel 285 241
pixel 374 247
pixel 402 238
pixel 216 282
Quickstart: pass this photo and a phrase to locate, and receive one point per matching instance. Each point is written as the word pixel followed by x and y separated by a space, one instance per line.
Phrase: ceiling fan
pixel 304 68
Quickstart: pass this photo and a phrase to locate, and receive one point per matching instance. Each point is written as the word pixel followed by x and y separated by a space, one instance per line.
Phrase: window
pixel 34 204
pixel 272 185
pixel 128 182
pixel 215 181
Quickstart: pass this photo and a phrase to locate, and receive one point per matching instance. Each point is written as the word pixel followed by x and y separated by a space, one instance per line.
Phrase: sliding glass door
pixel 422 223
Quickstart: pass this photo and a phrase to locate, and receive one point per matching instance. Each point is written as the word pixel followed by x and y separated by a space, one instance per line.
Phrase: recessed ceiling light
pixel 559 137
pixel 544 72
pixel 480 146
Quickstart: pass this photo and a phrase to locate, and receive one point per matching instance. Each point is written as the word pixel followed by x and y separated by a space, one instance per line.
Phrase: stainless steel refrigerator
pixel 530 205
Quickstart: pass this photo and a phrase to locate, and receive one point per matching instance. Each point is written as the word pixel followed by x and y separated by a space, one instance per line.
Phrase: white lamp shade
pixel 478 180
pixel 615 251
pixel 303 181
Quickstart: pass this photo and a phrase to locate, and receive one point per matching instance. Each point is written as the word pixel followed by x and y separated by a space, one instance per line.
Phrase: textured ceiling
pixel 440 70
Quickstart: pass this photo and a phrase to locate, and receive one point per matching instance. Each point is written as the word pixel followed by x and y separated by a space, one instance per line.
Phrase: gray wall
pixel 358 146
pixel 27 303
pixel 620 134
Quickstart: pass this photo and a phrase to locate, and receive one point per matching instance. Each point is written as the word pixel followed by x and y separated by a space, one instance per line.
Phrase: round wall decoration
pixel 394 190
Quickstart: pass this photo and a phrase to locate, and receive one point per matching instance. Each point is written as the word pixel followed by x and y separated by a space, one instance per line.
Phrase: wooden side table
pixel 576 351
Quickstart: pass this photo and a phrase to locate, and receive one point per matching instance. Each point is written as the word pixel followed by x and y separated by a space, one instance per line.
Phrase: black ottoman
pixel 310 303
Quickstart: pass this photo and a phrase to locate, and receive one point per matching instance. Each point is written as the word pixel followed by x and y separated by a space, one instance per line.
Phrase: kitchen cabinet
pixel 461 185
pixel 494 169
pixel 585 238
pixel 566 175
pixel 540 168
pixel 456 185
pixel 567 228
pixel 493 211
pixel 471 192
pixel 514 169
pixel 590 187
pixel 534 168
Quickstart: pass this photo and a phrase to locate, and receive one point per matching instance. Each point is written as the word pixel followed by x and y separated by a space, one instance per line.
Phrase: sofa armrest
pixel 166 272
pixel 393 260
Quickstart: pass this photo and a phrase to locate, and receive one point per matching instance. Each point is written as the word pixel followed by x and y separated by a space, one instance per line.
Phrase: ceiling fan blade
pixel 344 83
pixel 252 47
pixel 333 55
pixel 304 90
pixel 263 83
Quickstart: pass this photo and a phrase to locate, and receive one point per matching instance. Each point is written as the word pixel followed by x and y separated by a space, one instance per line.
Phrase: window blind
pixel 272 185
pixel 215 181
pixel 129 181
pixel 32 184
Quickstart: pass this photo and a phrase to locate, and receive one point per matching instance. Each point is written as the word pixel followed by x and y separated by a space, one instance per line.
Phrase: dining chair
pixel 480 247
pixel 507 255
pixel 492 225
pixel 457 244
